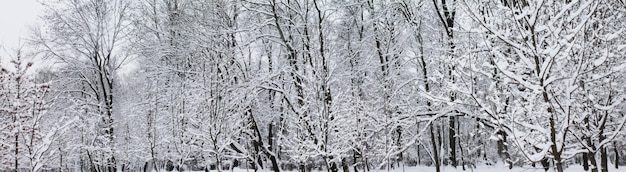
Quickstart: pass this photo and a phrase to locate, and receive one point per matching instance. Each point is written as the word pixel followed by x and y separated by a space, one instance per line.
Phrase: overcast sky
pixel 15 17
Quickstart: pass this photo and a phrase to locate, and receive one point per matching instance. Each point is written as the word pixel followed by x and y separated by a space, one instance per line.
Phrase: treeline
pixel 332 85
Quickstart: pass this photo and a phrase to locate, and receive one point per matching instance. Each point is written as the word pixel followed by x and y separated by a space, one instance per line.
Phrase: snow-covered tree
pixel 335 85
pixel 84 38
pixel 541 73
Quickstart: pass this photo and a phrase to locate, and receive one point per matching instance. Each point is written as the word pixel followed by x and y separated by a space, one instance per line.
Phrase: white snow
pixel 602 58
pixel 480 168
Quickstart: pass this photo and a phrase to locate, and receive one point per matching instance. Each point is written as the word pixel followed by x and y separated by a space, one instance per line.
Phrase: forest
pixel 317 85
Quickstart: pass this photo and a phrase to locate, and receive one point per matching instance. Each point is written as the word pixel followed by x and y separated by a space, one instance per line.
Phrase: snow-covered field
pixel 575 168
pixel 497 168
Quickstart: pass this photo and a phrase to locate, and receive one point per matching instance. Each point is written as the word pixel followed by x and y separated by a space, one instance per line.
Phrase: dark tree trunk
pixel 355 158
pixel 270 138
pixel 259 145
pixel 604 159
pixel 446 16
pixel 590 155
pixel 585 161
pixel 344 165
pixel 556 153
pixel 452 140
pixel 301 167
pixel 503 150
pixel 435 151
pixel 593 162
pixel 17 136
pixel 334 167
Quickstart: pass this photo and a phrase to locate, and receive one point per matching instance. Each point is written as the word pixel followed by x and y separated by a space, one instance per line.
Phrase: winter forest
pixel 317 85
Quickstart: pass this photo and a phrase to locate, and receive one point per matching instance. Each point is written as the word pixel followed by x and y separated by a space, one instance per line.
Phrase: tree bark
pixel 591 154
pixel 446 16
pixel 435 151
pixel 585 161
pixel 503 150
pixel 616 152
pixel 604 163
pixel 17 136
pixel 558 165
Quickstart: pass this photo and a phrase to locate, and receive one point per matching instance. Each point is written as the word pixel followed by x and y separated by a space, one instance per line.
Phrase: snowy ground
pixel 573 168
pixel 495 169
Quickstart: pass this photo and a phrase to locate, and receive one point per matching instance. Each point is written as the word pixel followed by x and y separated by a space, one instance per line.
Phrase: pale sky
pixel 15 18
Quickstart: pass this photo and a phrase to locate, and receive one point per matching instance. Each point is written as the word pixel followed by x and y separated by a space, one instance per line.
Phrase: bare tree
pixel 85 38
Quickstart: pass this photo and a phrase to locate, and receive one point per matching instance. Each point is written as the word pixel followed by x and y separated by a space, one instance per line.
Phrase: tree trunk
pixel 590 155
pixel 301 167
pixel 419 158
pixel 259 145
pixel 273 159
pixel 503 150
pixel 333 166
pixel 604 159
pixel 452 140
pixel 585 161
pixel 354 158
pixel 344 165
pixel 593 162
pixel 435 151
pixel 446 16
pixel 558 165
pixel 17 136
pixel 616 152
pixel 461 150
pixel 60 159
pixel 602 148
